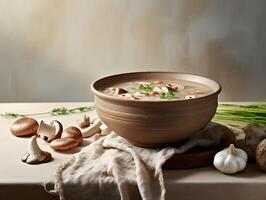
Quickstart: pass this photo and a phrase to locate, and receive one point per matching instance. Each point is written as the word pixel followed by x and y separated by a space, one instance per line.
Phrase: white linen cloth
pixel 111 168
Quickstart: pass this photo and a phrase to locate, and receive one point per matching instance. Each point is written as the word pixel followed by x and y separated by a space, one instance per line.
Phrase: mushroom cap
pixel 227 136
pixel 250 150
pixel 73 132
pixel 254 134
pixel 261 155
pixel 24 126
pixel 63 144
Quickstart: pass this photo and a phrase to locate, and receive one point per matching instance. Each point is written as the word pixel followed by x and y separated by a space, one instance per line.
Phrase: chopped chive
pixel 145 88
pixel 167 95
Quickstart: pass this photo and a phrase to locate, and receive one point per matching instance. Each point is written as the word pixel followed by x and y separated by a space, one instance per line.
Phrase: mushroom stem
pixel 33 147
pixel 35 155
pixel 85 123
pixel 92 129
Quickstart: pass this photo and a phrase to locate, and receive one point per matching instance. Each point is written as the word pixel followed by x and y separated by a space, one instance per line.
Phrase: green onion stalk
pixel 239 115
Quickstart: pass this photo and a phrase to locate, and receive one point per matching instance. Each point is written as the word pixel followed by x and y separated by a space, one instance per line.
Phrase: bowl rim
pixel 100 94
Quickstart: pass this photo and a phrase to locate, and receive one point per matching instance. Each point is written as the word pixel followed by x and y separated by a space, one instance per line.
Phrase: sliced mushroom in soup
pixel 158 90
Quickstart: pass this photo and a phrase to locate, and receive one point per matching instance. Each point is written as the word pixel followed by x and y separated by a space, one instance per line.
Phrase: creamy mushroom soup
pixel 158 90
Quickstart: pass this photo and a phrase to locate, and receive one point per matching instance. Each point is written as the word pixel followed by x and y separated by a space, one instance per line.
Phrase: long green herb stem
pixel 55 111
pixel 237 115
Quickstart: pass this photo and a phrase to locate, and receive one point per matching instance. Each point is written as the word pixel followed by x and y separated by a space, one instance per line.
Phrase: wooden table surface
pixel 18 179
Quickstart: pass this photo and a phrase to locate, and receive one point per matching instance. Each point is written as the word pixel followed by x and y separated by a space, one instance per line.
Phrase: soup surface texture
pixel 158 90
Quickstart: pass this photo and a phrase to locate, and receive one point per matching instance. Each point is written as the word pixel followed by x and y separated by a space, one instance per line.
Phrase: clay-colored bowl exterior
pixel 155 123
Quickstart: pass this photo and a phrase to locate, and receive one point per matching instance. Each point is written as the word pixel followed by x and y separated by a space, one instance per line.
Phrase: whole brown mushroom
pixel 70 138
pixel 261 155
pixel 255 133
pixel 24 126
pixel 73 132
pixel 64 144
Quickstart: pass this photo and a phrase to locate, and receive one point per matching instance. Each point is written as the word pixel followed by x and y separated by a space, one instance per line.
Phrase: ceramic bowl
pixel 155 123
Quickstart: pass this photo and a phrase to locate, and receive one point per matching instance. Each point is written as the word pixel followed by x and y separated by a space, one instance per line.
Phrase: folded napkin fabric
pixel 111 168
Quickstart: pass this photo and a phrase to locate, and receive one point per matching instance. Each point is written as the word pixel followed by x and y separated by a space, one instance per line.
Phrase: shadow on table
pixel 25 192
pixel 210 174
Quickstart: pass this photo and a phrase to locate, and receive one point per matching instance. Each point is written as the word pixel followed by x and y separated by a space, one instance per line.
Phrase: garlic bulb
pixel 230 160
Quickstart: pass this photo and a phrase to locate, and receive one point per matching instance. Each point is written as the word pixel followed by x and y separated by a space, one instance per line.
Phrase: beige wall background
pixel 51 50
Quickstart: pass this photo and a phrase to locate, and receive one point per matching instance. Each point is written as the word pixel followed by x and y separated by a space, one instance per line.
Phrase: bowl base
pixel 194 158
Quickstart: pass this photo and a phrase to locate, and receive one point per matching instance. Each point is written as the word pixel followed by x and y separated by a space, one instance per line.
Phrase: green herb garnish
pixel 10 115
pixel 55 111
pixel 145 88
pixel 167 95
